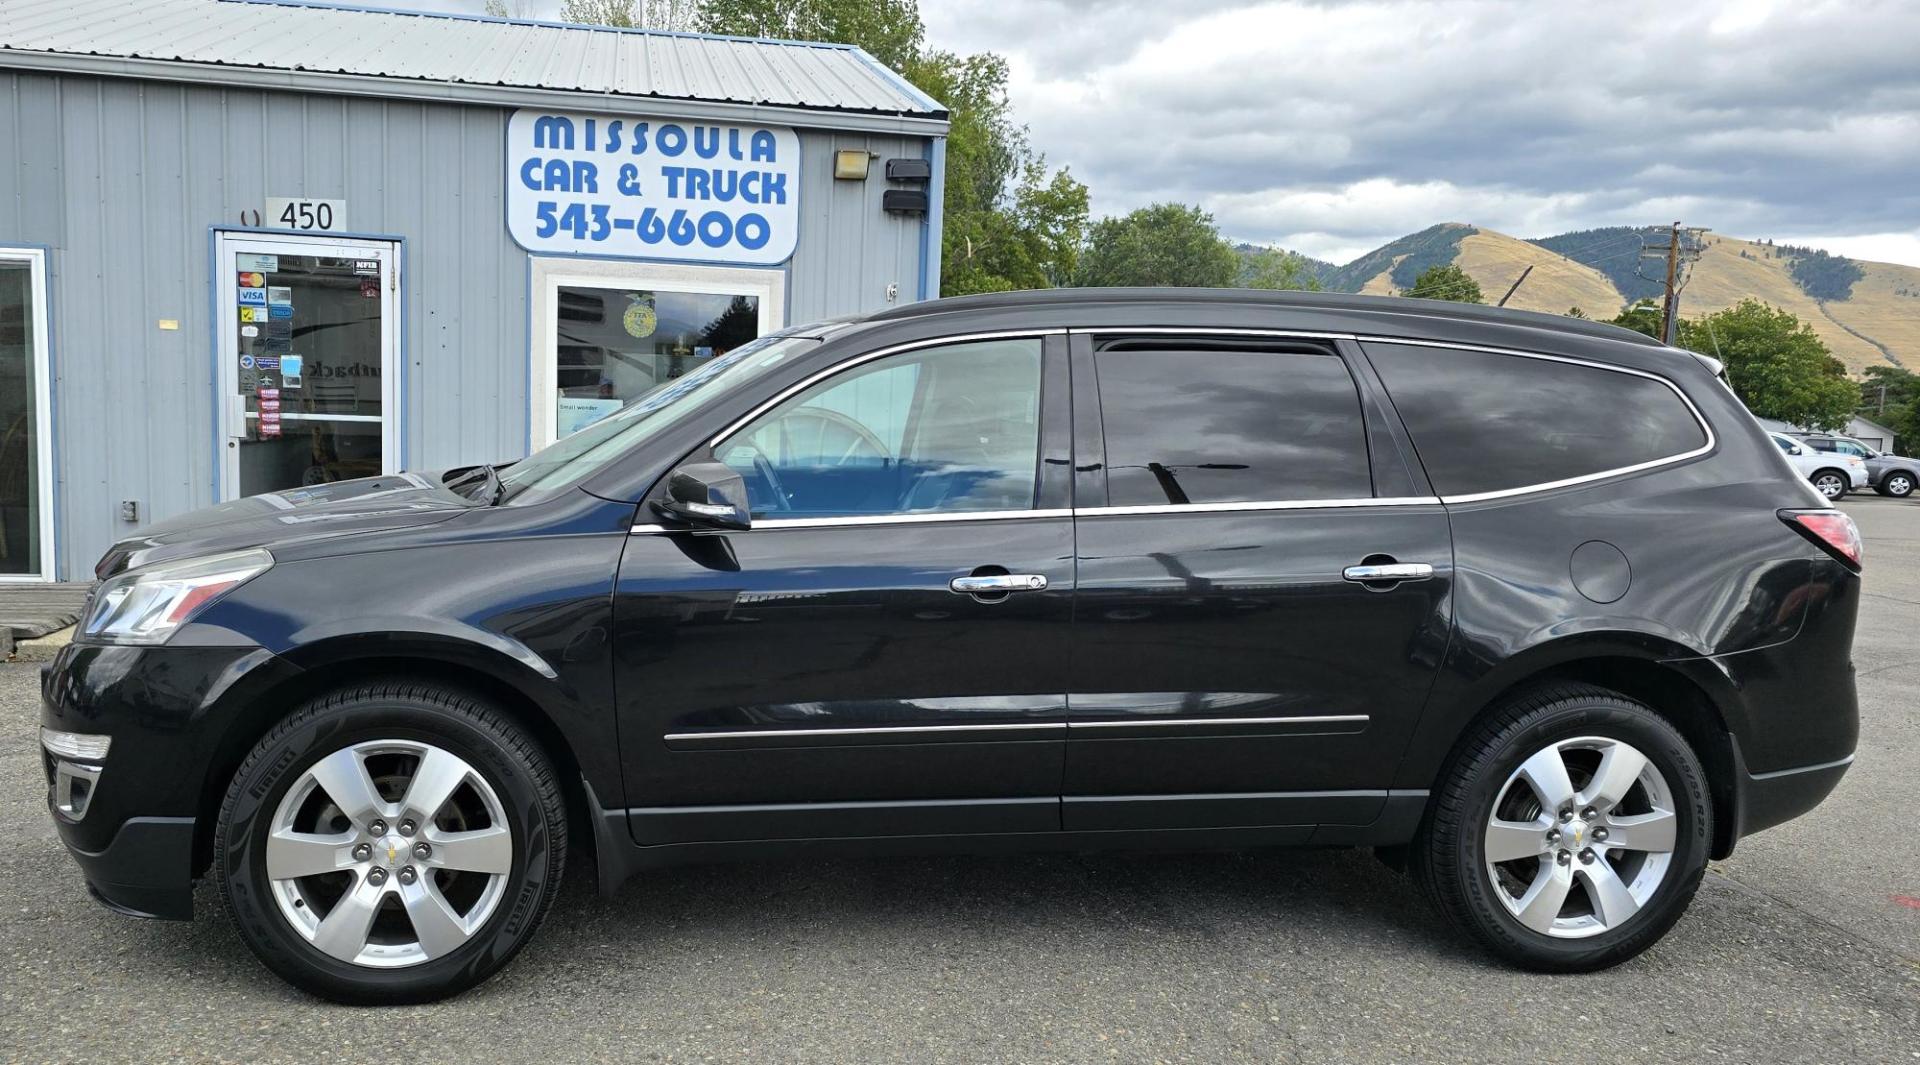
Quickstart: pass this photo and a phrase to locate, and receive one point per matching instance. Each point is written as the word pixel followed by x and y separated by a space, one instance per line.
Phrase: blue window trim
pixel 934 225
pixel 401 347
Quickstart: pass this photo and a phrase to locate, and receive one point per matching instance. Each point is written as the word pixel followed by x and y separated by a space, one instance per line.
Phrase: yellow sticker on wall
pixel 641 319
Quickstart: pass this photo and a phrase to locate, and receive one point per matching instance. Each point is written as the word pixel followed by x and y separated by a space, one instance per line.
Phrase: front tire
pixel 1570 831
pixel 390 843
pixel 1831 483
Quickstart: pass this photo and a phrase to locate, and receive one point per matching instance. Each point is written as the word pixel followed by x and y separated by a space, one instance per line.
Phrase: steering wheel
pixel 781 504
pixel 834 438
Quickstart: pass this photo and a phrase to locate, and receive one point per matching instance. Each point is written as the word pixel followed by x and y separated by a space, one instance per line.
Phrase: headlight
pixel 147 604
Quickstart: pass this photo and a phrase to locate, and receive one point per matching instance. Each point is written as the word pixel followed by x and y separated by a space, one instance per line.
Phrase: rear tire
pixel 1831 483
pixel 390 843
pixel 1898 484
pixel 1573 894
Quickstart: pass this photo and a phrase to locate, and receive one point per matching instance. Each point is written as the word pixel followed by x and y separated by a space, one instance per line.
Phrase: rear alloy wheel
pixel 1575 862
pixel 390 843
pixel 1570 832
pixel 1831 484
pixel 1898 484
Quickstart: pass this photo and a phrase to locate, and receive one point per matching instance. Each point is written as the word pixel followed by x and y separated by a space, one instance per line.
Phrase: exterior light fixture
pixel 850 164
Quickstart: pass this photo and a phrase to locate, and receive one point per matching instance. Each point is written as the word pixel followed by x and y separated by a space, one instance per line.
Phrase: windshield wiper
pixel 490 484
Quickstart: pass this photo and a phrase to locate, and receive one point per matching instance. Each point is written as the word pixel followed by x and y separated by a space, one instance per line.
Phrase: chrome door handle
pixel 1397 571
pixel 998 584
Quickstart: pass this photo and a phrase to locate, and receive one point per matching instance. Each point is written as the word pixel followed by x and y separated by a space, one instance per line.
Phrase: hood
pixel 299 517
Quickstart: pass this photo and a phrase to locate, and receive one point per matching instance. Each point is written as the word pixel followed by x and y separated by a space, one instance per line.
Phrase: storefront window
pixel 617 343
pixel 617 330
pixel 23 502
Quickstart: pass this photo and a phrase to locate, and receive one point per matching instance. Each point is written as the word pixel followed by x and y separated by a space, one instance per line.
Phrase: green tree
pixel 1445 282
pixel 644 14
pixel 1891 396
pixel 1273 268
pixel 1007 223
pixel 889 30
pixel 1165 244
pixel 1641 316
pixel 1777 364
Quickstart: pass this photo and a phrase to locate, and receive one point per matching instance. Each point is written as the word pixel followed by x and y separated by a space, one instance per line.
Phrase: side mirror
pixel 712 494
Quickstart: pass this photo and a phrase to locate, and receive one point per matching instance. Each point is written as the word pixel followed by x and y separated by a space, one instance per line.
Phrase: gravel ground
pixel 1799 948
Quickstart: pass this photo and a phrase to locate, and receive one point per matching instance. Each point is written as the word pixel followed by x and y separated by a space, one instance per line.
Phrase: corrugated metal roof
pixel 461 50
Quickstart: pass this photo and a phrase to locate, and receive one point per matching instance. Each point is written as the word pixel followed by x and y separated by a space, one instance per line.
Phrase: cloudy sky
pixel 1332 127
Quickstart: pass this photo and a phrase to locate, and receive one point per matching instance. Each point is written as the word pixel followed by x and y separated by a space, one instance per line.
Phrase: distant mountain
pixel 1867 312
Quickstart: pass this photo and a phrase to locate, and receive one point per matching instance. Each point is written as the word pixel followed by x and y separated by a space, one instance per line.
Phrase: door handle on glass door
pixel 1395 571
pixel 998 583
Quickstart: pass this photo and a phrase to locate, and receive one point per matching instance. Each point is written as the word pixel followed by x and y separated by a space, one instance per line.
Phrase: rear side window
pixel 1200 426
pixel 1486 422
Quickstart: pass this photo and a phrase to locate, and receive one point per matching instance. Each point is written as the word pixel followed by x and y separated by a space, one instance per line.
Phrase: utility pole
pixel 1516 286
pixel 1682 247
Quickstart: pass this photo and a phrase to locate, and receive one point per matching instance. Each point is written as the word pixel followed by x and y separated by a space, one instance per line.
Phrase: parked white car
pixel 1832 473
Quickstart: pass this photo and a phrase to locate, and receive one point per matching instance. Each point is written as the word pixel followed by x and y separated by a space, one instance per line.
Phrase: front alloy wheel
pixel 389 853
pixel 390 843
pixel 1830 484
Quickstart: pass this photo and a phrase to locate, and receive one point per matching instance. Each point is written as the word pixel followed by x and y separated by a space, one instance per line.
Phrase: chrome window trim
pixel 1547 486
pixel 1174 330
pixel 776 524
pixel 1256 505
pixel 934 517
pixel 734 734
pixel 1311 719
pixel 879 353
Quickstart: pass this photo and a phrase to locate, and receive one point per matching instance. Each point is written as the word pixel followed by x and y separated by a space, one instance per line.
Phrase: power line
pixel 1682 248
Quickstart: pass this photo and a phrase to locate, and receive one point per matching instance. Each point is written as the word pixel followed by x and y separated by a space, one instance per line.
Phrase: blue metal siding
pixel 122 179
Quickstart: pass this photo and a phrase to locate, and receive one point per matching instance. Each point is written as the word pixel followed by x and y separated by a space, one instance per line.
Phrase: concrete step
pixel 32 610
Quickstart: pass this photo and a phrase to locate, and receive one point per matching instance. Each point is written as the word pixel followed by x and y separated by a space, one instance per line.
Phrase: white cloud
pixel 1328 125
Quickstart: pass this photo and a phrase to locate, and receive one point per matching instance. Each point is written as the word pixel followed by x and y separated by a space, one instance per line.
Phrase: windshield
pixel 571 459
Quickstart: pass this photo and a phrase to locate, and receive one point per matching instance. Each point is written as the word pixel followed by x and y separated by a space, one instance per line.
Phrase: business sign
pixel 642 188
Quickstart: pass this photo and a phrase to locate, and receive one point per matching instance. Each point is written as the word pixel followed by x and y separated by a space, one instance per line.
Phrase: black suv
pixel 1531 604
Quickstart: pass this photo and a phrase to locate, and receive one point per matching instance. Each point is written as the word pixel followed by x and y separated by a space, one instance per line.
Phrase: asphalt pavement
pixel 1804 946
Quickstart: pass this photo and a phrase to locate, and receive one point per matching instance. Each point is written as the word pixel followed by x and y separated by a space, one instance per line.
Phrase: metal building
pixel 247 245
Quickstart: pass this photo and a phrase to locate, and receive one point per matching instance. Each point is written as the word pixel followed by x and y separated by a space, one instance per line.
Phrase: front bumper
pixel 145 871
pixel 171 713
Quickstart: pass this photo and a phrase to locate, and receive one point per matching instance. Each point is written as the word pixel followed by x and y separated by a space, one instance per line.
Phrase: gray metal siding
pixel 123 178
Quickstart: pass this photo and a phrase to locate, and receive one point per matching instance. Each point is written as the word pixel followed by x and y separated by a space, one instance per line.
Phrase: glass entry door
pixel 26 467
pixel 306 340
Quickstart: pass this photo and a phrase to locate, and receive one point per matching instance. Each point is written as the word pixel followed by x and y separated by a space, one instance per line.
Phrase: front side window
pixel 1848 447
pixel 1488 422
pixel 1224 426
pixel 951 428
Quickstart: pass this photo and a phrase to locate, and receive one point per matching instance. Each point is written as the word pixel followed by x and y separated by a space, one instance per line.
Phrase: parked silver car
pixel 1890 475
pixel 1833 474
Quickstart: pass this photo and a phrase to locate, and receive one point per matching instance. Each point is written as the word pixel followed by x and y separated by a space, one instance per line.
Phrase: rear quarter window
pixel 1487 422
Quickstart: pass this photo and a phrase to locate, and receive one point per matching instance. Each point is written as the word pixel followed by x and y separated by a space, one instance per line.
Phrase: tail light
pixel 1833 530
